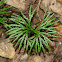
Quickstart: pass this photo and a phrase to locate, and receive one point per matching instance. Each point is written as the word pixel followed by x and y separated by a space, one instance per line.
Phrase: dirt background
pixel 54 6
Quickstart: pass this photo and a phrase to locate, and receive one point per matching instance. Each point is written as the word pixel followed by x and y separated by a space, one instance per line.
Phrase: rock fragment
pixel 6 49
pixel 21 4
pixel 52 6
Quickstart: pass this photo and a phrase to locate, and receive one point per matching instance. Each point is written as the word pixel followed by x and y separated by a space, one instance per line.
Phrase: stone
pixel 6 49
pixel 17 3
pixel 56 7
pixel 52 6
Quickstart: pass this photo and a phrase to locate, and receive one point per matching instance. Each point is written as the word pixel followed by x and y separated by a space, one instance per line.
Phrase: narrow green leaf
pixel 5 8
pixel 21 41
pixel 25 41
pixel 47 39
pixel 30 12
pixel 23 15
pixel 41 46
pixel 5 12
pixel 2 2
pixel 32 45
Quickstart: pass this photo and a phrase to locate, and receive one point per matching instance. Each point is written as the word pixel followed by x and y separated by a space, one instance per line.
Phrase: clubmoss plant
pixel 3 11
pixel 24 34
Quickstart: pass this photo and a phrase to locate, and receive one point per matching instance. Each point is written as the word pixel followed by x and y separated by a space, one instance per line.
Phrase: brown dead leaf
pixel 59 30
pixel 61 60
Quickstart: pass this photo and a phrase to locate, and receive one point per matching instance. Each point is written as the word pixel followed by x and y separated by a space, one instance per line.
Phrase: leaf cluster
pixel 3 11
pixel 22 31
